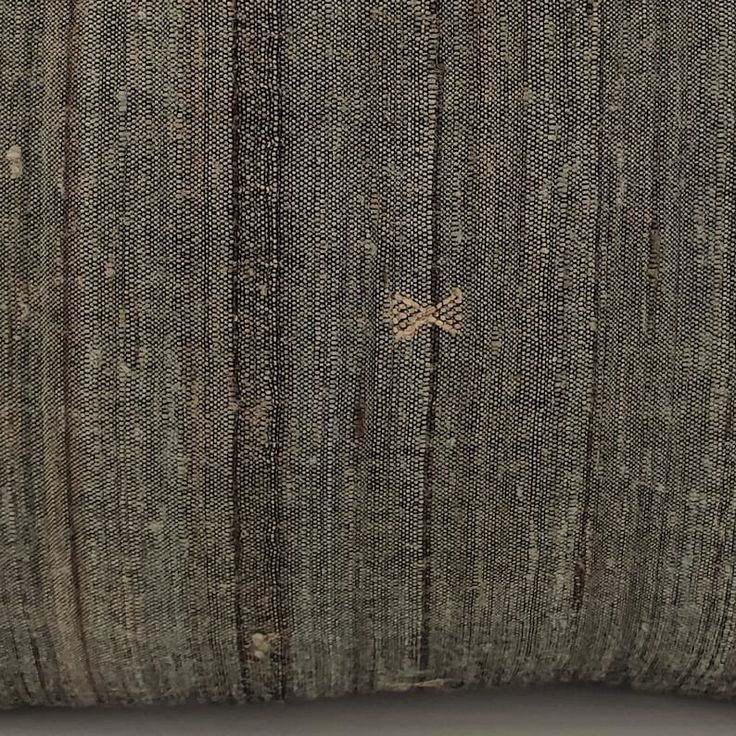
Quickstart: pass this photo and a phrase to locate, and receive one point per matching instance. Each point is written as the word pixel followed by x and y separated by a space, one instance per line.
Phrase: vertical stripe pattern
pixel 224 478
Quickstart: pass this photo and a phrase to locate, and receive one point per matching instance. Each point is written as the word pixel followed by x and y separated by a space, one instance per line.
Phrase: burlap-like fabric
pixel 352 346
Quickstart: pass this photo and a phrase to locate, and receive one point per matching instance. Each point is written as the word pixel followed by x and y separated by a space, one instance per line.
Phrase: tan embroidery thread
pixel 14 157
pixel 408 316
pixel 261 644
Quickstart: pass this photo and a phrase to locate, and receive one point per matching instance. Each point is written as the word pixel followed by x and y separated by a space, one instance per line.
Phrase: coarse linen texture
pixel 354 345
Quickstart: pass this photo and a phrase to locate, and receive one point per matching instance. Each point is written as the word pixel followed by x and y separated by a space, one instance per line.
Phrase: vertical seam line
pixel 66 348
pixel 434 346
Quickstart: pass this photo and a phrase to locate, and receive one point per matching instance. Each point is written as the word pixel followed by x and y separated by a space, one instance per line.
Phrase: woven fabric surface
pixel 351 346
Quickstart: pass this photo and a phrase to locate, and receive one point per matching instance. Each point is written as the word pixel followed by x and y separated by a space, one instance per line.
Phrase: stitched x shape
pixel 408 316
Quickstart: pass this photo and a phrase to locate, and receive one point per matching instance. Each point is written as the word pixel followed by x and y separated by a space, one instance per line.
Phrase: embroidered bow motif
pixel 408 316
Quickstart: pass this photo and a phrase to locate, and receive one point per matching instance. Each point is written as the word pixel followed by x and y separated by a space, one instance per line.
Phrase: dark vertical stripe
pixel 237 214
pixel 258 351
pixel 67 241
pixel 581 546
pixel 437 79
pixel 276 551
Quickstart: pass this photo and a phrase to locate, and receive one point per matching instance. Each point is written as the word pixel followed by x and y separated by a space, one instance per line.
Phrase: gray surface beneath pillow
pixel 507 712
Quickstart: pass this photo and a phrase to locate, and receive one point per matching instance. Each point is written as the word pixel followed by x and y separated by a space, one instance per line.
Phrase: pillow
pixel 356 346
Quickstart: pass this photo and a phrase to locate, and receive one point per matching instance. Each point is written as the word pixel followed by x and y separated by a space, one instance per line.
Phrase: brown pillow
pixel 351 346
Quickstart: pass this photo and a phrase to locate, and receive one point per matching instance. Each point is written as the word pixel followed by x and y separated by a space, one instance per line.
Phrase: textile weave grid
pixel 223 477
